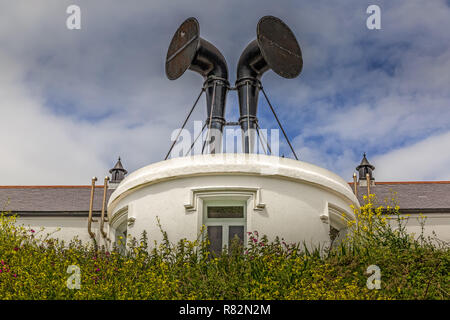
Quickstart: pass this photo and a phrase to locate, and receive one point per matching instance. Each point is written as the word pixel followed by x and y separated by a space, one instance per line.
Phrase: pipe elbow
pixel 220 68
pixel 251 63
pixel 209 62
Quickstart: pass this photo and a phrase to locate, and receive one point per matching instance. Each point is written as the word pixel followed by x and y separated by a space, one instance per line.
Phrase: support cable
pixel 266 141
pixel 279 123
pixel 260 140
pixel 192 145
pixel 210 118
pixel 185 121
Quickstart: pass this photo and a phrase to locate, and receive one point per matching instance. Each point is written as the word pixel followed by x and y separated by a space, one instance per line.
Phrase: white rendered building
pixel 231 194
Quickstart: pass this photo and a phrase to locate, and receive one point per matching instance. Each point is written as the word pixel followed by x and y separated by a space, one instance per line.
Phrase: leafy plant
pixel 33 265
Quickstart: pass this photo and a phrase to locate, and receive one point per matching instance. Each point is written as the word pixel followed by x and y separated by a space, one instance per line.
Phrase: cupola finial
pixel 118 172
pixel 365 168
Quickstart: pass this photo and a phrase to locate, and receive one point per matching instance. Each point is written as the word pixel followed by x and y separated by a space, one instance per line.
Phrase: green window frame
pixel 223 220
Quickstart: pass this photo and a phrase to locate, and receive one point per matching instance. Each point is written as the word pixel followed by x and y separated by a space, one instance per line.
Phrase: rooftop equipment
pixel 275 47
pixel 188 50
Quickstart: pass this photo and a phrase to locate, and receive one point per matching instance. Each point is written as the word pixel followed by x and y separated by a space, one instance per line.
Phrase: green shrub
pixel 34 266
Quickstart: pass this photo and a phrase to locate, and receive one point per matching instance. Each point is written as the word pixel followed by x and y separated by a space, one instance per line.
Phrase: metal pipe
pixel 188 50
pixel 275 48
pixel 210 120
pixel 368 183
pixel 355 187
pixel 250 69
pixel 103 219
pixel 91 203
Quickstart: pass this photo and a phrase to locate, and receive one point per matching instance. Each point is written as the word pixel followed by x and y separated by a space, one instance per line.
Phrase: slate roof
pixel 50 199
pixel 421 196
pixel 415 196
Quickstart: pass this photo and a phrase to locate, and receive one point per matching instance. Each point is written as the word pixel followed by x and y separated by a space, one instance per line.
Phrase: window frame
pixel 120 226
pixel 337 221
pixel 225 223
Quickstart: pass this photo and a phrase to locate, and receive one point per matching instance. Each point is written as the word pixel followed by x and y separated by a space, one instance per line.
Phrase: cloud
pixel 427 159
pixel 38 147
pixel 72 101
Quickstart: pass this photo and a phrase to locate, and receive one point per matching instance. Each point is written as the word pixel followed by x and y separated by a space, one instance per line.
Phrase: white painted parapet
pixel 282 197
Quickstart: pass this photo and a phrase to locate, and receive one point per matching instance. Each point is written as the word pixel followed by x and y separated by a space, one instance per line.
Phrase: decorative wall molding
pixel 228 191
pixel 335 213
pixel 119 217
pixel 219 165
pixel 131 221
pixel 324 217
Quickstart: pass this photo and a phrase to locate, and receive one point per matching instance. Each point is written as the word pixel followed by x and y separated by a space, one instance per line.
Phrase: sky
pixel 72 101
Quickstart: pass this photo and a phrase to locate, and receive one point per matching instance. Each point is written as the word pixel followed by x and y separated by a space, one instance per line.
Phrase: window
pixel 334 233
pixel 338 225
pixel 121 236
pixel 119 225
pixel 224 221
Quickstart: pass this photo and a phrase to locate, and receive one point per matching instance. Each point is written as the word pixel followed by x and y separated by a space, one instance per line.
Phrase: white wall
pixel 284 197
pixel 437 223
pixel 295 195
pixel 70 227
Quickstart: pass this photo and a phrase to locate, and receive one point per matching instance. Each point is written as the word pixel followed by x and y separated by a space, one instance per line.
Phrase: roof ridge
pixel 48 187
pixel 410 182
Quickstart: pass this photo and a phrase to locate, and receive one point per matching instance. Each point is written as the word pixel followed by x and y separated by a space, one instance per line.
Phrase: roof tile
pixel 50 198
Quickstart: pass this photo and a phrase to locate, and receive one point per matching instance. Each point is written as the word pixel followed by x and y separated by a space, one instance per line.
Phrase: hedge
pixel 35 265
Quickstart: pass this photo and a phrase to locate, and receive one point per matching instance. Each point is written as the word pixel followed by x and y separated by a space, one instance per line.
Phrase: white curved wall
pixel 285 198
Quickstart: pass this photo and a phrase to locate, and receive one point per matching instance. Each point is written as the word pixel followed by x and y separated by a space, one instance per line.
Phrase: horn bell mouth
pixel 279 47
pixel 182 48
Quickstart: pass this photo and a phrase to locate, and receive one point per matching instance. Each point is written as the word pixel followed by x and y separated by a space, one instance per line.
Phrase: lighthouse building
pixel 224 195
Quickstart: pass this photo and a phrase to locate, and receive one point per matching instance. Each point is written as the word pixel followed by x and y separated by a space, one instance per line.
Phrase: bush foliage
pixel 34 266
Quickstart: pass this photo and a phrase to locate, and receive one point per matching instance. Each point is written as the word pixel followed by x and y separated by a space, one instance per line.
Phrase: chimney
pixel 117 174
pixel 365 170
